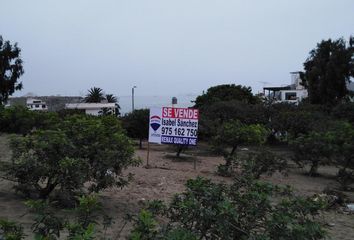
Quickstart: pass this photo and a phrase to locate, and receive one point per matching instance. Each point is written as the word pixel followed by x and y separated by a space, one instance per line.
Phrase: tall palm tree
pixel 111 99
pixel 95 95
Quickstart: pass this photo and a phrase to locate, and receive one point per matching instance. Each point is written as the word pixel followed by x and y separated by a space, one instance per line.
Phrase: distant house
pixel 95 109
pixel 293 93
pixel 36 104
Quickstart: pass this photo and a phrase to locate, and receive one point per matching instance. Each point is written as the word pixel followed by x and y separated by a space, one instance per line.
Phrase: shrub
pixel 262 162
pixel 244 210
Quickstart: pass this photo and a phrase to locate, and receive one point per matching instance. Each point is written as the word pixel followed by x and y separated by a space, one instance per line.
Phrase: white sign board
pixel 173 126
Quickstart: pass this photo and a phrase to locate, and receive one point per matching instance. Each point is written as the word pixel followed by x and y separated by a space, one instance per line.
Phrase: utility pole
pixel 133 98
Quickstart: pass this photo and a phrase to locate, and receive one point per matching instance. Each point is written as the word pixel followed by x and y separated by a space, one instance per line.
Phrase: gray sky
pixel 166 47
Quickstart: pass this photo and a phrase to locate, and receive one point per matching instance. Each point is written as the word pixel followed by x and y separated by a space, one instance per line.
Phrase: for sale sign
pixel 173 126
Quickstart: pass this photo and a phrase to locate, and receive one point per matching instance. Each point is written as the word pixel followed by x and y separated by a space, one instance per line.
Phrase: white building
pixel 293 93
pixel 36 105
pixel 95 109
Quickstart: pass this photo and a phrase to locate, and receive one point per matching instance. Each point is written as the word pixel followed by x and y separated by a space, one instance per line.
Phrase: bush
pixel 82 150
pixel 244 210
pixel 262 162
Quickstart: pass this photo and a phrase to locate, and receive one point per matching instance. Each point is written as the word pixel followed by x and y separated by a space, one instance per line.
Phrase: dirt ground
pixel 164 178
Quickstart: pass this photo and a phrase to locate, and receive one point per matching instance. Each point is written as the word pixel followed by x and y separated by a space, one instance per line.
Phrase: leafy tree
pixel 95 95
pixel 328 70
pixel 314 148
pixel 137 124
pixel 344 111
pixel 343 145
pixel 225 92
pixel 232 134
pixel 11 69
pixel 220 112
pixel 81 150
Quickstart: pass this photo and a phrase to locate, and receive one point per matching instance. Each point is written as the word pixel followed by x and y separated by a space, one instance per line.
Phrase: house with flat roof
pixel 36 104
pixel 95 109
pixel 293 93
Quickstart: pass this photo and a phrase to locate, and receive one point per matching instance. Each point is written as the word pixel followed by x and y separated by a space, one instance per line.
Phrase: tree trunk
pixel 141 143
pixel 44 193
pixel 313 169
pixel 179 150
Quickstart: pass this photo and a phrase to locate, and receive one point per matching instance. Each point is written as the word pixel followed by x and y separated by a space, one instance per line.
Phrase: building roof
pixel 89 105
pixel 277 88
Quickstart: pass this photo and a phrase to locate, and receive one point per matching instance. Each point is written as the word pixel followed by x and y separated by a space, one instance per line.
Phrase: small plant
pixel 10 230
pixel 46 224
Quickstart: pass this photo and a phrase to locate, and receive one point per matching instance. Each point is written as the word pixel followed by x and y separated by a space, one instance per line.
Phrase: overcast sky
pixel 166 47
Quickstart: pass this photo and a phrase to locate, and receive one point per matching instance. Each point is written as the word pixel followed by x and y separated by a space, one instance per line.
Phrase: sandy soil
pixel 166 177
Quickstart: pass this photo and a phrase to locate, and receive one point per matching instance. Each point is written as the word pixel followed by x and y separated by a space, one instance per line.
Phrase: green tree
pixel 343 141
pixel 137 124
pixel 80 150
pixel 328 70
pixel 314 148
pixel 232 134
pixel 95 95
pixel 225 92
pixel 11 69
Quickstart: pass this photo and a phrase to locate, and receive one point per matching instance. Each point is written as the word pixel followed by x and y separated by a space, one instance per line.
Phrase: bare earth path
pixel 165 178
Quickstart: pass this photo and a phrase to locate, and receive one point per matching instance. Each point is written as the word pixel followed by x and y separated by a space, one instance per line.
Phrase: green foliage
pixel 94 95
pixel 145 227
pixel 136 124
pixel 225 92
pixel 214 115
pixel 327 71
pixel 343 145
pixel 314 148
pixel 81 150
pixel 11 69
pixel 344 111
pixel 20 120
pixel 10 230
pixel 234 133
pixel 291 121
pixel 46 224
pixel 246 209
pixel 262 162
